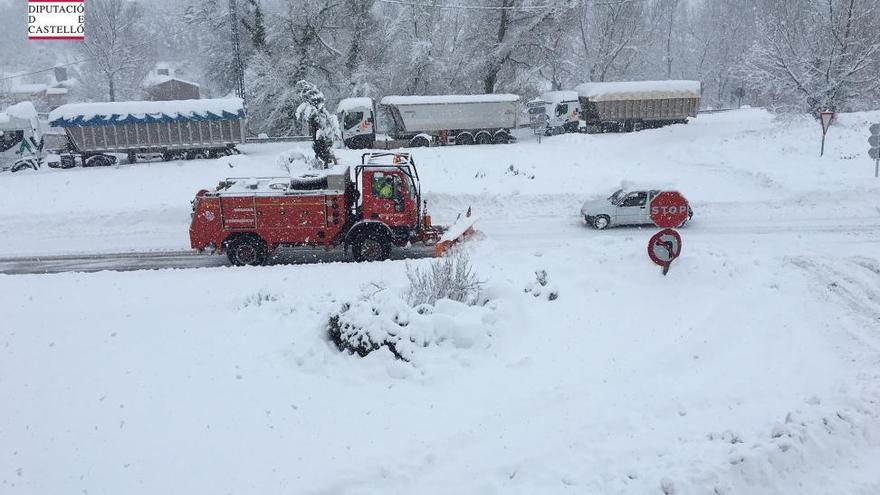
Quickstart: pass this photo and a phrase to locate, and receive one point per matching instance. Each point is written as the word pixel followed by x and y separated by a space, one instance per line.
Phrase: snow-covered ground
pixel 751 368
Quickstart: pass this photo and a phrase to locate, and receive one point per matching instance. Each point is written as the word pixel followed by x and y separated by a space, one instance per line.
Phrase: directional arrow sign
pixel 875 129
pixel 874 141
pixel 874 153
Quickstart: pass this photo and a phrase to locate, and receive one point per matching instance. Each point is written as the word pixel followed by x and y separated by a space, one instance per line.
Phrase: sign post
pixel 667 210
pixel 825 119
pixel 874 150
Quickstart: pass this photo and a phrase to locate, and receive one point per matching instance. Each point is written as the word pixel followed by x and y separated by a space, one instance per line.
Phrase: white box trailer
pixel 431 120
pixel 632 105
pixel 177 129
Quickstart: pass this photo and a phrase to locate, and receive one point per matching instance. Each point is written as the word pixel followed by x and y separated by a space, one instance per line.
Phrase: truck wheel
pixel 419 142
pixel 483 138
pixel 246 251
pixel 501 137
pixel 464 138
pixel 98 161
pixel 371 247
pixel 24 165
pixel 601 222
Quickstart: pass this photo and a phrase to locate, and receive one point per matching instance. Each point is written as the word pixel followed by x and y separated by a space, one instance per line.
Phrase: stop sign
pixel 668 209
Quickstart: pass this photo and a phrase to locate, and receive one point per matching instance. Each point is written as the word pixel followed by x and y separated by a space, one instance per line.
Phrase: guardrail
pixel 277 139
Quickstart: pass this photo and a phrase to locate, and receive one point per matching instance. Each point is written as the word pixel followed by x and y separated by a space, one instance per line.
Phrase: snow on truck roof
pixel 23 112
pixel 559 96
pixel 639 90
pixel 120 112
pixel 440 99
pixel 354 103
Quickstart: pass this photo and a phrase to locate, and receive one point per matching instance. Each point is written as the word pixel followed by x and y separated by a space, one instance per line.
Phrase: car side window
pixel 8 139
pixel 635 199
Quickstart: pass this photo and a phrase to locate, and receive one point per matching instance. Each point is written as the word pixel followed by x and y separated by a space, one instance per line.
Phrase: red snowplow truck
pixel 380 207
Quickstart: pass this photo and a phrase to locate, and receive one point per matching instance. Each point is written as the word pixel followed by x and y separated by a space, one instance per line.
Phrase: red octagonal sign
pixel 668 209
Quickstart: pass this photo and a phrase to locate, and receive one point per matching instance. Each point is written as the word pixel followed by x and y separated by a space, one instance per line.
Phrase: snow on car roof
pixel 354 103
pixel 146 111
pixel 639 90
pixel 439 99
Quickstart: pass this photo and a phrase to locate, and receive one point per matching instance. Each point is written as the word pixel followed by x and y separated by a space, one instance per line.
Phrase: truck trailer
pixel 632 105
pixel 370 208
pixel 174 130
pixel 430 120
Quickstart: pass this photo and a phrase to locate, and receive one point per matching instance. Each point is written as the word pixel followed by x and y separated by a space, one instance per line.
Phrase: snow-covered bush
pixel 450 277
pixel 541 287
pixel 298 160
pixel 438 307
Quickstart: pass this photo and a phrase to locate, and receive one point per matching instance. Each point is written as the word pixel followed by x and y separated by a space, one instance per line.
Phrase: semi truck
pixel 370 208
pixel 632 105
pixel 173 130
pixel 430 120
pixel 554 112
pixel 21 140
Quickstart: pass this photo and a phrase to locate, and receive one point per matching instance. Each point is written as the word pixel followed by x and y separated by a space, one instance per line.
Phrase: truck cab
pixel 357 122
pixel 554 112
pixel 21 140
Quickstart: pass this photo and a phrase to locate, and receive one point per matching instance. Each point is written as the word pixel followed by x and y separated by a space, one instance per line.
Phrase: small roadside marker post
pixel 825 119
pixel 874 150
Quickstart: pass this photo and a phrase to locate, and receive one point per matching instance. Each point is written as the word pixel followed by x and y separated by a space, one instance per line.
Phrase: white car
pixel 622 208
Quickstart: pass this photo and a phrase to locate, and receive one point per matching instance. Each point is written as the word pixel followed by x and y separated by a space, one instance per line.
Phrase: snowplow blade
pixel 459 230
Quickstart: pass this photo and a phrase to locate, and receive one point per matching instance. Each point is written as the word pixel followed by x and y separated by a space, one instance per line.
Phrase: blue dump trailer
pixel 174 130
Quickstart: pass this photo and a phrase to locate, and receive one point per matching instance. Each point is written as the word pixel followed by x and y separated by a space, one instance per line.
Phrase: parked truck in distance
pixel 173 130
pixel 21 140
pixel 370 207
pixel 632 105
pixel 430 120
pixel 554 112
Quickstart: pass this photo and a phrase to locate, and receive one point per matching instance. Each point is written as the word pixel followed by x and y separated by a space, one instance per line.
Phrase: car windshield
pixel 617 196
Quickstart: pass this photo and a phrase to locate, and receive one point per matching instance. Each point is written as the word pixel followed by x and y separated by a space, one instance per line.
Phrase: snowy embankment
pixel 750 368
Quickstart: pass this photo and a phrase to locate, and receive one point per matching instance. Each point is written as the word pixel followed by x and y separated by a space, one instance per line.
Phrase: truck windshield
pixel 352 119
pixel 8 139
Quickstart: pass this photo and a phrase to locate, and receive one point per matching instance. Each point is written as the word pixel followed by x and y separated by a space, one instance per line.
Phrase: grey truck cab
pixel 624 207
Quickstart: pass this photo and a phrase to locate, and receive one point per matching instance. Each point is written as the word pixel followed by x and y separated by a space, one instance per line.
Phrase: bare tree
pixel 112 44
pixel 816 54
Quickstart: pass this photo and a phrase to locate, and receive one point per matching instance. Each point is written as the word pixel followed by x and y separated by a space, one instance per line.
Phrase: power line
pixel 468 7
pixel 45 70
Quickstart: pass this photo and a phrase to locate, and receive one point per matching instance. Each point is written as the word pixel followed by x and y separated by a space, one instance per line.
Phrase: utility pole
pixel 237 64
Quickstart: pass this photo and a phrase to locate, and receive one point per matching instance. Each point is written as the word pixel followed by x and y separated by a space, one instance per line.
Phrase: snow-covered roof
pixel 439 99
pixel 146 111
pixel 155 80
pixel 354 103
pixel 639 90
pixel 559 96
pixel 28 88
pixel 56 91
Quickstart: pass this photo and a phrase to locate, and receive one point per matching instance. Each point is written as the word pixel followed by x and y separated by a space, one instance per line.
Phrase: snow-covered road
pixel 750 368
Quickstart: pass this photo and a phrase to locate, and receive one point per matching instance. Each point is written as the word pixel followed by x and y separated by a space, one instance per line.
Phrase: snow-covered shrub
pixel 298 160
pixel 542 287
pixel 323 125
pixel 438 307
pixel 384 319
pixel 450 277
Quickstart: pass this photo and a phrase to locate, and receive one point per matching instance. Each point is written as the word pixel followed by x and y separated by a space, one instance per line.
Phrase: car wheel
pixel 601 222
pixel 246 251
